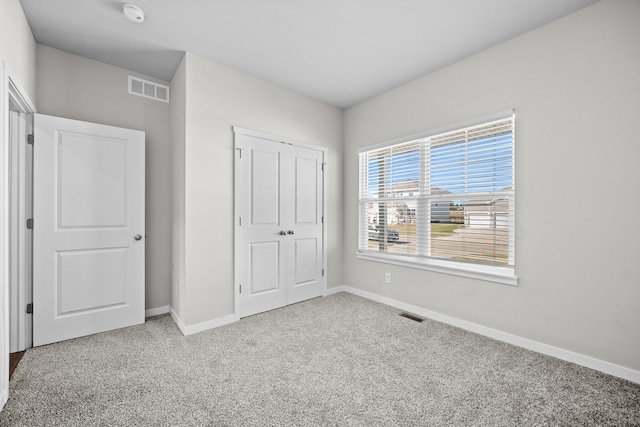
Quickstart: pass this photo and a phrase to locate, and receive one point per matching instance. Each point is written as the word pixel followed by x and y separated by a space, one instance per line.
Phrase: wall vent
pixel 141 87
pixel 412 317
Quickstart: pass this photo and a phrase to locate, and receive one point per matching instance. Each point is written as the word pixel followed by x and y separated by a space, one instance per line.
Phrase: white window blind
pixel 448 197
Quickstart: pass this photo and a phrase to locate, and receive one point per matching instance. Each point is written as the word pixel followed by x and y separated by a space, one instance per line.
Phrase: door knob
pixel 282 233
pixel 290 232
pixel 137 237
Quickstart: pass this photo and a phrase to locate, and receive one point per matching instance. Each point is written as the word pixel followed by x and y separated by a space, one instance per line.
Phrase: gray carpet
pixel 335 361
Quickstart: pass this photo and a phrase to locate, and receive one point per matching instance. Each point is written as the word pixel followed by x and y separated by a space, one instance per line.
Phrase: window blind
pixel 448 196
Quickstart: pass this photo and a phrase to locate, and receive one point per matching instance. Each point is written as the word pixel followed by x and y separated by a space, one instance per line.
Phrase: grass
pixel 443 229
pixel 437 229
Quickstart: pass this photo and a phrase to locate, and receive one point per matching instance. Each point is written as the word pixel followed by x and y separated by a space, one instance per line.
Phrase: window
pixel 443 201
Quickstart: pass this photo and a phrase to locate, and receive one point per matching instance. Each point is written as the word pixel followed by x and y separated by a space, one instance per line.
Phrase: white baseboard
pixel 157 311
pixel 214 323
pixel 3 398
pixel 333 290
pixel 177 320
pixel 203 326
pixel 569 356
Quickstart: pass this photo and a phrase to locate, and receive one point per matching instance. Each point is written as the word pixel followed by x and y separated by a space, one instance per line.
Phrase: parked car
pixel 376 232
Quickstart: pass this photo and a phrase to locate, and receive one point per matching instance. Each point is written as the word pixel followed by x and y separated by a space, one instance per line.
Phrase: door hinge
pixel 322 219
pixel 30 139
pixel 240 221
pixel 240 288
pixel 323 271
pixel 240 151
pixel 323 167
pixel 30 224
pixel 30 308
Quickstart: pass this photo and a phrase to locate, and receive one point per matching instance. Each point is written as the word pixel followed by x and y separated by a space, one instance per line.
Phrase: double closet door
pixel 279 229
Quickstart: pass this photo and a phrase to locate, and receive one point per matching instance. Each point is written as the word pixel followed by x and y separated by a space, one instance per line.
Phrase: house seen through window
pixel 447 197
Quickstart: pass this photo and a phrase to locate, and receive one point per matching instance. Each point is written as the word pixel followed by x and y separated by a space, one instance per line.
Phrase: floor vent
pixel 148 89
pixel 412 317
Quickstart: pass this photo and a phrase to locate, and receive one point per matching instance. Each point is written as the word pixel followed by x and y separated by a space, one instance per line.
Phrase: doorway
pixel 16 109
pixel 280 231
pixel 74 223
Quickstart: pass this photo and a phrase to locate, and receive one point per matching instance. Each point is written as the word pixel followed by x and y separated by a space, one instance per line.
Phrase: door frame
pixel 20 237
pixel 237 188
pixel 15 96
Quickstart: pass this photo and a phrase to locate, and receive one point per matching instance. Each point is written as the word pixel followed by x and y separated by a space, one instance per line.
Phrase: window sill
pixel 491 274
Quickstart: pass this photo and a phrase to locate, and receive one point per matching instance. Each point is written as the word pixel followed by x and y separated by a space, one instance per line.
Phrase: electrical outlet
pixel 387 278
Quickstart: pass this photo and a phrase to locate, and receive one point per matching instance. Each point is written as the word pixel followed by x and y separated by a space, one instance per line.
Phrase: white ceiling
pixel 337 51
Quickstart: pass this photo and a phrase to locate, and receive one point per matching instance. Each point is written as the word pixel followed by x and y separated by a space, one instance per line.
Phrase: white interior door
pixel 279 252
pixel 305 243
pixel 263 247
pixel 88 228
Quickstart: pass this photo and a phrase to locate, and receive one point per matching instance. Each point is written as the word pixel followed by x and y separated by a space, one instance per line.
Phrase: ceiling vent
pixel 148 89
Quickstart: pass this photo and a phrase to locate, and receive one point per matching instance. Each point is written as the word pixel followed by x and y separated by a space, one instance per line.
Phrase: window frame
pixel 487 272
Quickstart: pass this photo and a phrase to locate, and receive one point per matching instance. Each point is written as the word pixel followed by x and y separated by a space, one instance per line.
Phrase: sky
pixel 463 167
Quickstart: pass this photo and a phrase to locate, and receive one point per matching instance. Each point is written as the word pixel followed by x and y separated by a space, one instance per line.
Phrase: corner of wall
pixel 202 326
pixel 178 136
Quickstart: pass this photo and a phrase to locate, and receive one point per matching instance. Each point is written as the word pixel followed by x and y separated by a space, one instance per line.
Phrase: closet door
pixel 262 252
pixel 304 243
pixel 279 234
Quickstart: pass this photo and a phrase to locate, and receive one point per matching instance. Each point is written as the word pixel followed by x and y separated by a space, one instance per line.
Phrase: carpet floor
pixel 335 361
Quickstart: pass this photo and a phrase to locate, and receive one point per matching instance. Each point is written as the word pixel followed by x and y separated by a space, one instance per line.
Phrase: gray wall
pixel 218 98
pixel 83 89
pixel 576 88
pixel 18 51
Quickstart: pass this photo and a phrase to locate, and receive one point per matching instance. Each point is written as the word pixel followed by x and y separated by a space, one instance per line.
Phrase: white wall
pixel 18 51
pixel 217 98
pixel 83 89
pixel 575 85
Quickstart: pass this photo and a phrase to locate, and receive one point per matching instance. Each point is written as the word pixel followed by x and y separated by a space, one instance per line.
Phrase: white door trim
pixel 241 131
pixel 20 239
pixel 14 94
pixel 237 188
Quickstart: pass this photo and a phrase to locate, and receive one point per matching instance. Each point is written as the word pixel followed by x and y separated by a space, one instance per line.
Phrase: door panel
pixel 281 246
pixel 107 287
pixel 306 261
pixel 264 264
pixel 88 266
pixel 90 165
pixel 265 187
pixel 306 191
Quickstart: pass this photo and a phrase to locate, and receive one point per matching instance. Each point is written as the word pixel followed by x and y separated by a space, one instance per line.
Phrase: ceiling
pixel 341 52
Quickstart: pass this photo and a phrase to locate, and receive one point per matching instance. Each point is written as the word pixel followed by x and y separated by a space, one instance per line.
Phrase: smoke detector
pixel 133 13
